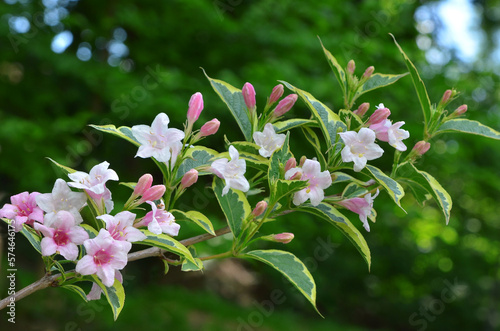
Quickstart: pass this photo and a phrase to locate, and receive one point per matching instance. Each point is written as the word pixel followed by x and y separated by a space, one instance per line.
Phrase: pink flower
pixel 121 227
pixel 160 221
pixel 249 96
pixel 62 236
pixel 209 128
pixel 360 147
pixel 22 210
pixel 391 133
pixel 362 206
pixel 318 181
pixel 158 140
pixel 195 107
pixel 62 198
pixel 232 171
pixel 104 256
pixel 380 115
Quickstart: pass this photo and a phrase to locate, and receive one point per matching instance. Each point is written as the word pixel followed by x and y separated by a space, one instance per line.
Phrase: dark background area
pixel 130 60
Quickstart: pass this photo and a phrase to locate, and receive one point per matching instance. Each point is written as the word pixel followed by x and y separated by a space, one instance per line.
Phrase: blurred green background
pixel 66 64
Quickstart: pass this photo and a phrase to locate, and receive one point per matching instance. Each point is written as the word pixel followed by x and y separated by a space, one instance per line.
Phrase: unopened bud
pixel 143 184
pixel 379 115
pixel 195 107
pixel 368 72
pixel 421 147
pixel 209 128
pixel 285 105
pixel 189 178
pixel 291 163
pixel 259 208
pixel 153 193
pixel 249 96
pixel 362 109
pixel 284 237
pixel 351 66
pixel 276 94
pixel 460 110
pixel 302 160
pixel 446 97
pixel 296 176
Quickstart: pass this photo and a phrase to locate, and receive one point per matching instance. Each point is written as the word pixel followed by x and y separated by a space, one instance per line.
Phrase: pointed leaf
pixel 114 294
pixel 342 223
pixel 291 267
pixel 313 139
pixel 287 187
pixel 198 218
pixel 234 205
pixel 278 160
pixel 423 97
pixel 123 132
pixel 353 190
pixel 196 157
pixel 283 126
pixel 379 80
pixel 165 242
pixel 393 188
pixel 336 68
pixel 233 98
pixel 76 289
pixel 468 126
pixel 190 266
pixel 66 170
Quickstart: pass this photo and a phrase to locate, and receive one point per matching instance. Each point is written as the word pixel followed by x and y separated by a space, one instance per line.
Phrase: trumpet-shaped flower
pixel 268 140
pixel 360 147
pixel 22 210
pixel 391 133
pixel 158 140
pixel 231 171
pixel 62 198
pixel 62 236
pixel 361 206
pixel 318 181
pixel 158 220
pixel 104 256
pixel 121 226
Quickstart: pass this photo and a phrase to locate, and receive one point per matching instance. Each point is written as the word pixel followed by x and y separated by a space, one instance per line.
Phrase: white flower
pixel 231 171
pixel 157 140
pixel 268 140
pixel 396 135
pixel 360 147
pixel 318 181
pixel 95 181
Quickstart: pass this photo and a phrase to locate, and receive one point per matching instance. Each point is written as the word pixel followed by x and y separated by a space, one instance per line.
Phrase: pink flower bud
pixel 302 160
pixel 284 237
pixel 362 109
pixel 291 163
pixel 446 97
pixel 259 208
pixel 368 72
pixel 351 66
pixel 379 115
pixel 209 128
pixel 195 107
pixel 189 178
pixel 153 193
pixel 285 105
pixel 143 184
pixel 276 94
pixel 460 110
pixel 421 147
pixel 296 176
pixel 249 96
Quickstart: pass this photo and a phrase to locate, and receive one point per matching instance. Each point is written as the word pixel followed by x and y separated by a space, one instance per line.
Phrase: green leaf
pixel 30 234
pixel 66 170
pixel 253 160
pixel 167 266
pixel 278 160
pixel 190 266
pixel 114 294
pixel 328 121
pixel 353 190
pixel 342 223
pixel 196 157
pixel 348 116
pixel 167 243
pixel 90 230
pixel 76 289
pixel 468 126
pixel 283 126
pixel 123 132
pixel 233 98
pixel 336 68
pixel 410 173
pixel 198 218
pixel 423 97
pixel 234 205
pixel 287 187
pixel 379 80
pixel 291 267
pixel 130 185
pixel 244 146
pixel 340 177
pixel 395 191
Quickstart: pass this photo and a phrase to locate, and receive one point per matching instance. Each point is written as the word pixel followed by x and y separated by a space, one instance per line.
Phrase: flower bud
pixel 195 107
pixel 189 178
pixel 460 110
pixel 446 97
pixel 143 184
pixel 276 94
pixel 421 147
pixel 153 193
pixel 362 109
pixel 259 208
pixel 351 66
pixel 379 115
pixel 209 128
pixel 296 176
pixel 302 160
pixel 285 105
pixel 284 237
pixel 291 163
pixel 368 72
pixel 249 96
